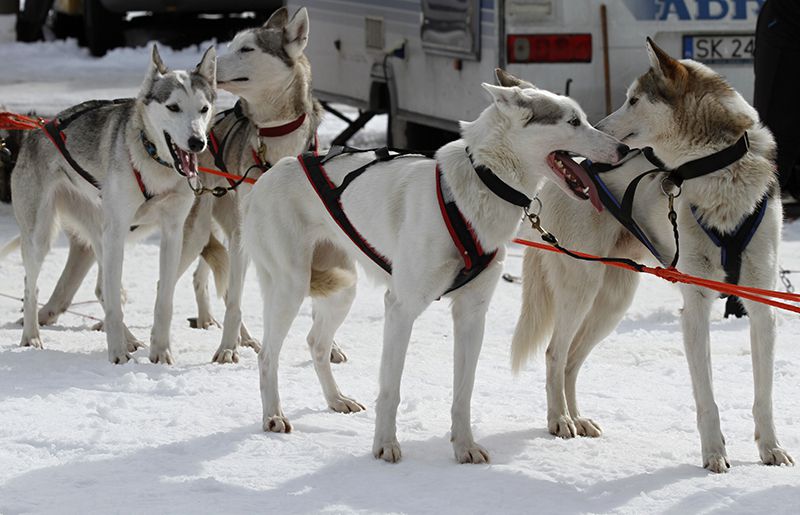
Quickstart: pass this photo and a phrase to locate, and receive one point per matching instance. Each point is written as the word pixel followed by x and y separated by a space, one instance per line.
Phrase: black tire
pixel 102 28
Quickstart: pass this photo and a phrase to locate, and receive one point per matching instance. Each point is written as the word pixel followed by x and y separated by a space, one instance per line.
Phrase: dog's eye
pixel 204 110
pixel 574 122
pixel 633 101
pixel 245 49
pixel 175 108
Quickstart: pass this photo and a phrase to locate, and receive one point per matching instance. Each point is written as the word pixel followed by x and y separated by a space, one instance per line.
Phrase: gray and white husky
pixel 266 68
pixel 299 249
pixel 684 111
pixel 137 155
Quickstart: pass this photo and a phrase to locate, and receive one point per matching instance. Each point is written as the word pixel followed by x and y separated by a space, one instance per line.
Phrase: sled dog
pixel 685 112
pixel 102 167
pixel 267 69
pixel 395 213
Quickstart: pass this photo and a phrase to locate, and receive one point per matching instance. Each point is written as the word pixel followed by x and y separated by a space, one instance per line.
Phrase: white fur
pixel 101 223
pixel 288 232
pixel 577 304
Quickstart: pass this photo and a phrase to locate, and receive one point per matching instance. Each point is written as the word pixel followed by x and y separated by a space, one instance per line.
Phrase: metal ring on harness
pixel 667 191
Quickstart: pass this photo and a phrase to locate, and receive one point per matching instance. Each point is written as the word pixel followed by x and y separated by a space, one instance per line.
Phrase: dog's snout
pixel 196 144
pixel 622 150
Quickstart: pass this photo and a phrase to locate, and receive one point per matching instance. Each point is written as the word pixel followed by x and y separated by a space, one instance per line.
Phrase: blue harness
pixel 731 245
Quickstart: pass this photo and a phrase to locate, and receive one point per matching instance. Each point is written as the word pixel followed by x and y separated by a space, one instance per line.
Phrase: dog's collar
pixel 704 165
pixel 282 130
pixel 497 186
pixel 150 148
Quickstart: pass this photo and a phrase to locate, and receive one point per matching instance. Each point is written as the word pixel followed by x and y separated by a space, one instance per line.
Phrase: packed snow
pixel 79 435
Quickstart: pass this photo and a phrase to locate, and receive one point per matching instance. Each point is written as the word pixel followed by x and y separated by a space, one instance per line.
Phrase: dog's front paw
pixel 774 455
pixel 587 427
pixel 252 343
pixel 346 405
pixel 48 317
pixel 337 354
pixel 99 326
pixel 31 341
pixel 161 355
pixel 225 355
pixel 716 462
pixel 277 424
pixel 470 453
pixel 562 426
pixel 133 343
pixel 203 321
pixel 387 451
pixel 119 356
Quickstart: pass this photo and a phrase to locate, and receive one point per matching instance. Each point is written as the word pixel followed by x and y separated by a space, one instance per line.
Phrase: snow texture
pixel 79 435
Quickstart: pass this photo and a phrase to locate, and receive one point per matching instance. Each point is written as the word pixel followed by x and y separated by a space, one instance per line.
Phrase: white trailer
pixel 421 61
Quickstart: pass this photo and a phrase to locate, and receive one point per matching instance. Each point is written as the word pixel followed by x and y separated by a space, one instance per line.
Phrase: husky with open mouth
pixel 399 219
pixel 100 168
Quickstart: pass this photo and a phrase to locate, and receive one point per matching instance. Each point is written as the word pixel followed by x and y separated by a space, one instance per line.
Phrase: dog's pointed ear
pixel 155 70
pixel 278 19
pixel 207 68
pixel 507 80
pixel 156 64
pixel 662 63
pixel 295 33
pixel 506 99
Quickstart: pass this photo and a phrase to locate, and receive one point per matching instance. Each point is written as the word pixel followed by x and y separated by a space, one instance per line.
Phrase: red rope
pixel 13 121
pixel 231 176
pixel 675 276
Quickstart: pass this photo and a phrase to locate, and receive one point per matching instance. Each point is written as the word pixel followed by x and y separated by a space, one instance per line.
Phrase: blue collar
pixel 150 148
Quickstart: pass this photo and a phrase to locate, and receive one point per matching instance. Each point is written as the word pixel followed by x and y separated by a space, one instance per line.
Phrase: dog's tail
pixel 327 282
pixel 216 255
pixel 9 247
pixel 535 322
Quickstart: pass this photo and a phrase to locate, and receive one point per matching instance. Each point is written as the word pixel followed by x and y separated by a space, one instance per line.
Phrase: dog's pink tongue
pixel 188 163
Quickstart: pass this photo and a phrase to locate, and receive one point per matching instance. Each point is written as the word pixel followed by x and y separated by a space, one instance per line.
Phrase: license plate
pixel 719 48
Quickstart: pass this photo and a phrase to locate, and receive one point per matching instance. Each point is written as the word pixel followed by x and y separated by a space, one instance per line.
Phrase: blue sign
pixel 688 10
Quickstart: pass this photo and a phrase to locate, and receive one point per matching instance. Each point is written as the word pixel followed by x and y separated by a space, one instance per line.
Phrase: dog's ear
pixel 155 70
pixel 278 19
pixel 507 80
pixel 506 99
pixel 207 68
pixel 156 64
pixel 295 33
pixel 663 64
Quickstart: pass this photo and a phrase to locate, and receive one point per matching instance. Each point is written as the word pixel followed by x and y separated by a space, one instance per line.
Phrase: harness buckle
pixel 668 186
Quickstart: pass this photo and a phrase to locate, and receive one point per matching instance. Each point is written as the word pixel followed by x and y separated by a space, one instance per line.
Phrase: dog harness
pixel 54 130
pixel 217 146
pixel 731 245
pixel 475 258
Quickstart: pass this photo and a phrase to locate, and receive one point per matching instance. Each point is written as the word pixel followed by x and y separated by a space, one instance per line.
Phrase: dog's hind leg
pixel 282 300
pixel 696 342
pixel 200 278
pixel 328 313
pixel 762 344
pixel 572 307
pixel 612 301
pixel 36 226
pixel 79 261
pixel 396 334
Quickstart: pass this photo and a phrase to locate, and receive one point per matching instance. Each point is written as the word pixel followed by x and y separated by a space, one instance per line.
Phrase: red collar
pixel 282 130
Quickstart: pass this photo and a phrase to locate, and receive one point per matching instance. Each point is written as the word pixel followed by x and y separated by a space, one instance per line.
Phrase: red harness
pixel 476 260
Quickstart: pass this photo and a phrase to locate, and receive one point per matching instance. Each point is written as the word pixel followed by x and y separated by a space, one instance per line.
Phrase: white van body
pixel 435 82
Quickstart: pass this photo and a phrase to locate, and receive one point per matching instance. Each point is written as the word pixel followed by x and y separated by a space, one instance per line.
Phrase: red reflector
pixel 549 48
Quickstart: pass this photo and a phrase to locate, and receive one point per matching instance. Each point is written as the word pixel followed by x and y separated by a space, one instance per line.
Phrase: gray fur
pixel 544 111
pixel 271 41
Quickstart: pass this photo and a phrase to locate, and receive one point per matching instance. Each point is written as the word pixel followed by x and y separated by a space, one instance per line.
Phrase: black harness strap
pixel 54 130
pixel 731 246
pixel 475 258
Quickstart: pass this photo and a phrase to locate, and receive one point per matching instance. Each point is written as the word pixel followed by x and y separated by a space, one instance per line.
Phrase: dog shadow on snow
pixel 176 478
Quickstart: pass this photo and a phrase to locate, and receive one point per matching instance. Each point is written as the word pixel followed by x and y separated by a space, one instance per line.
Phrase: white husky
pixel 684 111
pixel 122 163
pixel 298 248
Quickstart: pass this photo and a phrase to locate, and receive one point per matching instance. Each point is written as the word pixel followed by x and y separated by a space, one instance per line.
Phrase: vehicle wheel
pixel 102 28
pixel 68 26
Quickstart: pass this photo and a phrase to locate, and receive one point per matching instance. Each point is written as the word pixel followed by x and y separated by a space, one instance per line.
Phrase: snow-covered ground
pixel 79 435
